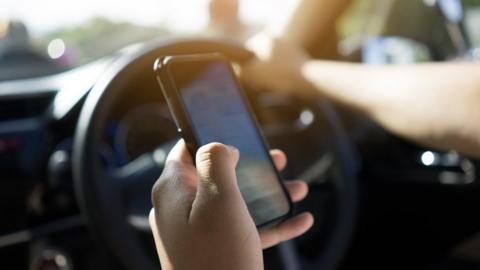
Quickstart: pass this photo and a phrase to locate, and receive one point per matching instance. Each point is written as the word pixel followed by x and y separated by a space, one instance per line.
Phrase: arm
pixel 436 105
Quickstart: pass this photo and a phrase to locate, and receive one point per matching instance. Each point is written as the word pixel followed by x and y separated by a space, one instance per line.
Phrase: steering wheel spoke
pixel 144 170
pixel 317 173
pixel 135 181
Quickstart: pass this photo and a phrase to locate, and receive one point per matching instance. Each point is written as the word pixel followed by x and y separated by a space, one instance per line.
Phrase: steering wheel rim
pixel 99 199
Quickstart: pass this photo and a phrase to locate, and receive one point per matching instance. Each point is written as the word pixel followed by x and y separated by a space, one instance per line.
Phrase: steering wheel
pixel 116 203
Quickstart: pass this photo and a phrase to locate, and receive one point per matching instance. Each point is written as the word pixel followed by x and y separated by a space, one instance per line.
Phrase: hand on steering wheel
pixel 277 67
pixel 200 220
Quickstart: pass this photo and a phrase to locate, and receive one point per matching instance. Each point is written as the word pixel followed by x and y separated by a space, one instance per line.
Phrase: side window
pixel 412 19
pixel 472 21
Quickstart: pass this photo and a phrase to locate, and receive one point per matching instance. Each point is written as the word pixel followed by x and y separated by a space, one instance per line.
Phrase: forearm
pixel 433 104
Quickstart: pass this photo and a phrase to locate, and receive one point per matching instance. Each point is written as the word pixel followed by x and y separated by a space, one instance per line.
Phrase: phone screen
pixel 218 113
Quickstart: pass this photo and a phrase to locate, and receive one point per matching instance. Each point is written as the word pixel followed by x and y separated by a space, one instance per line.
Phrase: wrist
pixel 308 78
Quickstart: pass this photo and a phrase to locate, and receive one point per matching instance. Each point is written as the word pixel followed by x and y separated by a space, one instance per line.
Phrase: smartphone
pixel 208 105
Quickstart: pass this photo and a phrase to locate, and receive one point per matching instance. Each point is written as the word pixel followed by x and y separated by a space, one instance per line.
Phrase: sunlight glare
pixel 176 15
pixel 56 48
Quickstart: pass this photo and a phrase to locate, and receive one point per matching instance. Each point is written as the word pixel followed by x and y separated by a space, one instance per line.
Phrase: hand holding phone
pixel 196 226
pixel 208 105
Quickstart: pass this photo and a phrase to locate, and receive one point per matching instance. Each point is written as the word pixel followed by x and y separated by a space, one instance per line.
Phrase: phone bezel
pixel 184 123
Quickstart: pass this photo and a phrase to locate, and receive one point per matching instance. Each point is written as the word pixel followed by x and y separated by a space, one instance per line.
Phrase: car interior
pixel 85 131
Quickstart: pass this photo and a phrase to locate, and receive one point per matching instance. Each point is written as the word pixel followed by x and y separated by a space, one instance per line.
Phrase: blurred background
pixel 66 34
pixel 71 33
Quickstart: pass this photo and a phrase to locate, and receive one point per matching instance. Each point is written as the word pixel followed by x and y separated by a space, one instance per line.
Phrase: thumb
pixel 216 164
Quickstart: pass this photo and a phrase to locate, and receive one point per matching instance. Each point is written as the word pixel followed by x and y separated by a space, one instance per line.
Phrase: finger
pixel 286 230
pixel 216 164
pixel 256 76
pixel 180 153
pixel 179 162
pixel 179 165
pixel 279 159
pixel 261 44
pixel 177 182
pixel 297 190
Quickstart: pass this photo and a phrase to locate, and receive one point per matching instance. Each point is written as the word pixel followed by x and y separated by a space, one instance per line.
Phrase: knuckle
pixel 162 184
pixel 158 188
pixel 215 149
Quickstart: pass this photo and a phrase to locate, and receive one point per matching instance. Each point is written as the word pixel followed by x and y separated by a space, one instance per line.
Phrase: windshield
pixel 46 37
pixel 58 34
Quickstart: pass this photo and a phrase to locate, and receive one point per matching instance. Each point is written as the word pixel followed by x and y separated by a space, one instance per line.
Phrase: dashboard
pixel 38 119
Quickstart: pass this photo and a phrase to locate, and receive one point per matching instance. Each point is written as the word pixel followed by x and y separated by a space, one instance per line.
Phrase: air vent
pixel 24 106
